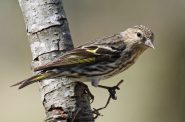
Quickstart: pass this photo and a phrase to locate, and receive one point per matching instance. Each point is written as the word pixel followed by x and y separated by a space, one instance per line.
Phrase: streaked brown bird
pixel 99 59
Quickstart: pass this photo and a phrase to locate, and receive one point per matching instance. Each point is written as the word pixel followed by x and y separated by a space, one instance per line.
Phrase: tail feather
pixel 34 79
pixel 17 84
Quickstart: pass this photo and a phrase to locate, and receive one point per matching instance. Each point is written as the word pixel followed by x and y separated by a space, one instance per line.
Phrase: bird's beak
pixel 149 43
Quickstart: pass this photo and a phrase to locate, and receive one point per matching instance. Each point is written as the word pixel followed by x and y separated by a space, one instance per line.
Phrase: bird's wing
pixel 87 54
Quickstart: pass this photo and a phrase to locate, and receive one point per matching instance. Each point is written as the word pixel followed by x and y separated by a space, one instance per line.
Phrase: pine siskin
pixel 97 60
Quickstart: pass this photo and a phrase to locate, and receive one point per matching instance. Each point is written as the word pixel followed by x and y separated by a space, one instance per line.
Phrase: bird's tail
pixel 34 79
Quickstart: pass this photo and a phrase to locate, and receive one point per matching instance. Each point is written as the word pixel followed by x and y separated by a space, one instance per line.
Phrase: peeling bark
pixel 49 36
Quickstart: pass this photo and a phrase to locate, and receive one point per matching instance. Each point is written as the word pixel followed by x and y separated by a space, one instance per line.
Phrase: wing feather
pixel 82 55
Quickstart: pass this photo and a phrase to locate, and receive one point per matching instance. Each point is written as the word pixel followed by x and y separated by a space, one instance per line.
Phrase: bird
pixel 98 59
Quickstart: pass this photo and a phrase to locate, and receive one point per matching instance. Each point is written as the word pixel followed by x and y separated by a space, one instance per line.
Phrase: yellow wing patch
pixel 87 60
pixel 75 59
pixel 91 50
pixel 39 77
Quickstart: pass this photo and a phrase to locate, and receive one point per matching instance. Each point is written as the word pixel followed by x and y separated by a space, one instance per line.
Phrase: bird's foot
pixel 112 90
pixel 90 95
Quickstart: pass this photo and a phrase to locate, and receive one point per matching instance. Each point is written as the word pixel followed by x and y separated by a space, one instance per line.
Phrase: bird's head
pixel 139 36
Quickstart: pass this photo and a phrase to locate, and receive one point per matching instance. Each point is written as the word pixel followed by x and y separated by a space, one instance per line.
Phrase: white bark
pixel 49 36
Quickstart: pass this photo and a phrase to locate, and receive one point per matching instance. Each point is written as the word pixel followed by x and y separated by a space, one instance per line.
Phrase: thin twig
pixel 96 111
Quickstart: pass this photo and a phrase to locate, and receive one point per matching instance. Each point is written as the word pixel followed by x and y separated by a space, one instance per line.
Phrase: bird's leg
pixel 112 90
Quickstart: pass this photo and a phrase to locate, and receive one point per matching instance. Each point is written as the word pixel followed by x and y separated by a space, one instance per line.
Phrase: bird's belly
pixel 101 70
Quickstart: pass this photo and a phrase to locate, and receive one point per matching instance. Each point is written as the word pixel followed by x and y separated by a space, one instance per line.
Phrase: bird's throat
pixel 137 51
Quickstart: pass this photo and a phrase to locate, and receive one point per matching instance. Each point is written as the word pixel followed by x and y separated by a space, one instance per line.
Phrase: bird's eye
pixel 139 34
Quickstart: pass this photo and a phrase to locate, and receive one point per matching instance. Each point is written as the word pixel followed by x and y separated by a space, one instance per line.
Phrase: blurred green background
pixel 154 88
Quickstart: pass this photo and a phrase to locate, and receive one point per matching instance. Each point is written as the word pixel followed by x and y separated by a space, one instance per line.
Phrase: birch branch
pixel 49 36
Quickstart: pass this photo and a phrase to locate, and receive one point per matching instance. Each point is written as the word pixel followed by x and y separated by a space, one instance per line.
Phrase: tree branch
pixel 49 36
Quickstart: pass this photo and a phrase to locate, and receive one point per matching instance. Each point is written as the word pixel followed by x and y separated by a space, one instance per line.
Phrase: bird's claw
pixel 112 90
pixel 91 98
pixel 96 112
